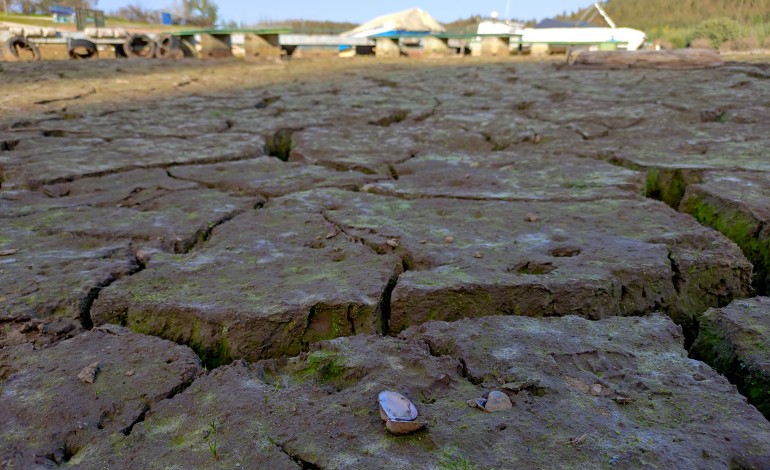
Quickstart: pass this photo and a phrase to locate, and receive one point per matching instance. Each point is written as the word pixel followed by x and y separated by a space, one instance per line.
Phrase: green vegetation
pixel 718 31
pixel 324 367
pixel 211 440
pixel 680 22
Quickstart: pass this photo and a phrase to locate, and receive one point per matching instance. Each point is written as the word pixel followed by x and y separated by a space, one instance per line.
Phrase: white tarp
pixel 414 19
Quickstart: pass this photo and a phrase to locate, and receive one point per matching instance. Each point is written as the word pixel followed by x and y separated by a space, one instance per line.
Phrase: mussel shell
pixel 481 403
pixel 396 407
pixel 403 427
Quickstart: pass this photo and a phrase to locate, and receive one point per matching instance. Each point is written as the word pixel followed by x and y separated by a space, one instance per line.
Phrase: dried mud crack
pixel 226 270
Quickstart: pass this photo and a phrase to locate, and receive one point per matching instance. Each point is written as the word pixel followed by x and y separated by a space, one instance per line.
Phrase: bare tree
pixel 136 13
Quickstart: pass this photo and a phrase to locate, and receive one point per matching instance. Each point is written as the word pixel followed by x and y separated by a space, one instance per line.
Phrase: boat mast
pixel 605 15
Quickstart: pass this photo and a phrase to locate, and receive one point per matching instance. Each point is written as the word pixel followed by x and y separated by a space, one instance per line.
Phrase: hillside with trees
pixel 32 7
pixel 681 21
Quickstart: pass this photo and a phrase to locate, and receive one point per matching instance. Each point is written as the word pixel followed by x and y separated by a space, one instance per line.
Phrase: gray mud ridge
pixel 330 264
pixel 316 233
pixel 49 413
pixel 735 340
pixel 617 392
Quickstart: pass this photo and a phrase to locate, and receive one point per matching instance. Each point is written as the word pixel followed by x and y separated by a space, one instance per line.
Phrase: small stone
pixel 129 373
pixel 88 374
pixel 422 242
pixel 393 243
pixel 596 390
pixel 480 403
pixel 531 218
pixel 498 401
pixel 143 256
pixel 449 239
pixel 478 255
pixel 8 252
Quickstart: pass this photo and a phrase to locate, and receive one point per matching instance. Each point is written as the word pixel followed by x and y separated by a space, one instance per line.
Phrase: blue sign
pixel 165 18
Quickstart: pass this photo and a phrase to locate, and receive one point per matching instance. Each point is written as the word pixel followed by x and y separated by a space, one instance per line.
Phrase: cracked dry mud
pixel 248 254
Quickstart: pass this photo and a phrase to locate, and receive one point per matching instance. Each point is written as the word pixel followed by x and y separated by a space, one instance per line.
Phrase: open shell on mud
pixel 396 407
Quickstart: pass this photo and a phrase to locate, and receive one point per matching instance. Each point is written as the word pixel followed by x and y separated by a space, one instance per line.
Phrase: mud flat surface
pixel 212 264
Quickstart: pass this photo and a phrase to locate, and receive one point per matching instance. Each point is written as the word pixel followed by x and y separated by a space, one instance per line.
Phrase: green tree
pixel 200 12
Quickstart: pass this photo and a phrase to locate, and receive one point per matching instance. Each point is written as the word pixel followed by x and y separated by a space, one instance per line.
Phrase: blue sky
pixel 358 11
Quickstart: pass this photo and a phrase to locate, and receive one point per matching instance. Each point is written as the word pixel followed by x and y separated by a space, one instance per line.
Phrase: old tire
pixel 82 49
pixel 169 47
pixel 19 48
pixel 139 45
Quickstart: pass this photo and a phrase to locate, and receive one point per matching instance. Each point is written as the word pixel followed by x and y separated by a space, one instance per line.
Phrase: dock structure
pixel 21 43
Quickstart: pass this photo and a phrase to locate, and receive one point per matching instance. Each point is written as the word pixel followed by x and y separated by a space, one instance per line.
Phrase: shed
pixel 62 14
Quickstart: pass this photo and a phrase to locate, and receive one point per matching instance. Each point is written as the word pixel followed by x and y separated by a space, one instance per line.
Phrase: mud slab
pixel 738 205
pixel 676 59
pixel 270 177
pixel 683 152
pixel 268 283
pixel 143 206
pixel 54 277
pixel 617 392
pixel 735 340
pixel 321 264
pixel 49 412
pixel 380 144
pixel 47 160
pixel 510 176
pixel 594 259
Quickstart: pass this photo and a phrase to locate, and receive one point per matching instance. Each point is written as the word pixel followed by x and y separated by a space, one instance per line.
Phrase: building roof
pixel 414 20
pixel 62 10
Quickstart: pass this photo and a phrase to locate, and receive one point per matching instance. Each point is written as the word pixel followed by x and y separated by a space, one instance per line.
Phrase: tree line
pixel 680 21
pixel 188 12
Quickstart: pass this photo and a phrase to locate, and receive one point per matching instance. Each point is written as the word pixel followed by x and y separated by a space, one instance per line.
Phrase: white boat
pixel 561 36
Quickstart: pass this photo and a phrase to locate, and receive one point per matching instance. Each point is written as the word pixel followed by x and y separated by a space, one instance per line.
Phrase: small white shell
pixel 396 407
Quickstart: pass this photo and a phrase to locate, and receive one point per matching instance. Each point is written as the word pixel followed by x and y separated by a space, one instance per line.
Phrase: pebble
pixel 498 401
pixel 88 374
pixel 494 401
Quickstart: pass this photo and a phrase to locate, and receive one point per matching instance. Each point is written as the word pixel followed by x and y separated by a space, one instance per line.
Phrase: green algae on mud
pixel 735 340
pixel 735 204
